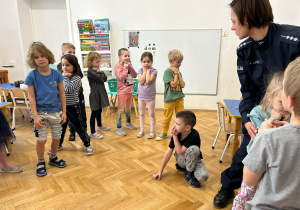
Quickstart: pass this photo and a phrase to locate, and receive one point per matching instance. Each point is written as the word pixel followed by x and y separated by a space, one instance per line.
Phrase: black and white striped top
pixel 71 89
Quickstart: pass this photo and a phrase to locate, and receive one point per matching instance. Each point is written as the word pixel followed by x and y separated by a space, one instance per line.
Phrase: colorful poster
pixel 134 39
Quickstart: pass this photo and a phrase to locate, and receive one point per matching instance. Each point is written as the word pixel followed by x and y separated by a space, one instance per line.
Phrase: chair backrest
pixel 220 107
pixel 136 85
pixel 3 94
pixel 19 96
pixel 112 84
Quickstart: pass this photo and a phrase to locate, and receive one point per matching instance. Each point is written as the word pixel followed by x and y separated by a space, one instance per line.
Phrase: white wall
pixel 50 26
pixel 10 40
pixel 26 29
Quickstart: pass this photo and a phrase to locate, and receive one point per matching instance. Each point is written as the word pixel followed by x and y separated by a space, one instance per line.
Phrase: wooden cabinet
pixel 3 76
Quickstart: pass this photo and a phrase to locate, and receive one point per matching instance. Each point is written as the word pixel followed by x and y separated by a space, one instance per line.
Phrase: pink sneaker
pixel 96 136
pixel 103 128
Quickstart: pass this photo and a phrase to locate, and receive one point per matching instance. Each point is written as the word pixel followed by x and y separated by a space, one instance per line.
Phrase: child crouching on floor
pixel 186 141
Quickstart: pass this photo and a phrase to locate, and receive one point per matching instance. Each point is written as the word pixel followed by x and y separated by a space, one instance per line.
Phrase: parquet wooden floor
pixel 117 176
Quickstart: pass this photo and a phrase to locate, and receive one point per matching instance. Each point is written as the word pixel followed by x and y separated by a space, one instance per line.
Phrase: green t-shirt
pixel 171 94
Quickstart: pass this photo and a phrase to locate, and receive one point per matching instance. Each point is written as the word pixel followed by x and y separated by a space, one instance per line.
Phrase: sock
pixel 41 160
pixel 52 156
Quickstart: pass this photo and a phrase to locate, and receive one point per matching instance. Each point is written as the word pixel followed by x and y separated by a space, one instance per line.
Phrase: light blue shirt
pixel 46 90
pixel 257 117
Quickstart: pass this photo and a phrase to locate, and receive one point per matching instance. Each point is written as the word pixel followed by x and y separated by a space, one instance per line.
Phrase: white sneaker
pixel 89 150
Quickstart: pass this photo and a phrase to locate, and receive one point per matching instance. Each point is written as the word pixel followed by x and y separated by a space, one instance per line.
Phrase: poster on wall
pixel 134 39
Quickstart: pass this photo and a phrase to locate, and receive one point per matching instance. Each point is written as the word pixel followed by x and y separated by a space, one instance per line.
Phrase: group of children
pixel 56 99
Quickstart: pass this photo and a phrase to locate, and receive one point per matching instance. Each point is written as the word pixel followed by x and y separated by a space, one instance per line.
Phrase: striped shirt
pixel 71 89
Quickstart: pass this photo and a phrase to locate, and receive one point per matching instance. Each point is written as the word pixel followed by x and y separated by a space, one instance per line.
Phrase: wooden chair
pixel 227 127
pixel 20 101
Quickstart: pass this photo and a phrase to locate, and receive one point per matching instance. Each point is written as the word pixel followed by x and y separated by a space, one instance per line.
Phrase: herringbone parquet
pixel 117 176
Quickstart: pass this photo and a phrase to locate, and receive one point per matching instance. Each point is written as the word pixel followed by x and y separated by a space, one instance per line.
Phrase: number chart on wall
pixel 200 49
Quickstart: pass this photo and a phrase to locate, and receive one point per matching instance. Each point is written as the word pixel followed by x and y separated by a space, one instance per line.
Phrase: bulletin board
pixel 200 48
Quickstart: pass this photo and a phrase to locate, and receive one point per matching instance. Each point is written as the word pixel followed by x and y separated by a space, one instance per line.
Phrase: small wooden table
pixel 233 110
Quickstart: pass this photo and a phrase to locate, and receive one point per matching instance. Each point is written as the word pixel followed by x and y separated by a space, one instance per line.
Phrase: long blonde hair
pixel 275 85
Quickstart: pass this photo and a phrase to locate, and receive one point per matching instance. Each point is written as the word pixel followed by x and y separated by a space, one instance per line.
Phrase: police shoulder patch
pixel 248 42
pixel 290 38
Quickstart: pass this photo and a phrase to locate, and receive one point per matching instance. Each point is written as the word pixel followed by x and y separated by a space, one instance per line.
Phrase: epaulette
pixel 290 38
pixel 244 44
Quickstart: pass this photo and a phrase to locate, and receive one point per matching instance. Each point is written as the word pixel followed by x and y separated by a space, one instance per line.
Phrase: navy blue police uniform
pixel 257 62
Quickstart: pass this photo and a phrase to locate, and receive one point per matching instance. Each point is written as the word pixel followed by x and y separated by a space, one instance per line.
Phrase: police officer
pixel 269 48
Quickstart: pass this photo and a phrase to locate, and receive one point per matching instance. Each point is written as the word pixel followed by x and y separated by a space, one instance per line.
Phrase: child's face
pixel 96 63
pixel 180 126
pixel 176 63
pixel 66 66
pixel 125 57
pixel 277 103
pixel 147 63
pixel 40 59
pixel 69 51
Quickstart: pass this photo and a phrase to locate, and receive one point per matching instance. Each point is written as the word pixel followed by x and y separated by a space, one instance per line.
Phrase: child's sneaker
pixel 59 148
pixel 161 137
pixel 59 163
pixel 190 179
pixel 140 134
pixel 103 128
pixel 72 137
pixel 89 150
pixel 96 135
pixel 130 126
pixel 41 169
pixel 120 132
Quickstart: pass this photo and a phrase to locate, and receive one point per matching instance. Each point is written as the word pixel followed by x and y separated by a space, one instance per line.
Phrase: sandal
pixel 140 134
pixel 41 169
pixel 152 135
pixel 56 162
pixel 17 169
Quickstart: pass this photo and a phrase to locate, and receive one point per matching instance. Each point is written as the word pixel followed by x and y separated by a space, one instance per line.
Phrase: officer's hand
pixel 251 129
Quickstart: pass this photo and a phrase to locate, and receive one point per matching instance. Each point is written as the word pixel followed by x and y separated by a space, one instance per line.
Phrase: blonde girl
pixel 147 91
pixel 98 94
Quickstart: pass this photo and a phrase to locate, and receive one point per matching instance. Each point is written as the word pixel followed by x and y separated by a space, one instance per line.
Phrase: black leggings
pixel 95 115
pixel 74 117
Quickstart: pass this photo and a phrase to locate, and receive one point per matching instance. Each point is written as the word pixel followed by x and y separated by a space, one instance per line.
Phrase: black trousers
pixel 83 113
pixel 232 177
pixel 74 117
